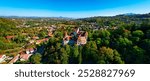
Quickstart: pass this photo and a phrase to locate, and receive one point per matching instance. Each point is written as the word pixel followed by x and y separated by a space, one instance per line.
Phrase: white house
pixel 27 51
pixel 30 51
pixel 2 58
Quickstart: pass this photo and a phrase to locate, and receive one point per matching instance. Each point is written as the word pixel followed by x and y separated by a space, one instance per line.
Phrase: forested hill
pixel 122 15
pixel 119 19
pixel 135 15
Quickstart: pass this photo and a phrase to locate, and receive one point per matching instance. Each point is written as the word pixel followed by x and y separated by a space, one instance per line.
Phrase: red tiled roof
pixel 31 49
pixel 35 37
pixel 14 59
pixel 9 37
pixel 22 52
pixel 25 56
pixel 50 34
pixel 1 56
pixel 42 40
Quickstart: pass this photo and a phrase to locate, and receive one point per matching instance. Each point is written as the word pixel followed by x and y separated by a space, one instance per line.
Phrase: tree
pixel 123 42
pixel 146 45
pixel 75 54
pixel 80 55
pixel 148 34
pixel 138 33
pixel 36 58
pixel 126 33
pixel 98 41
pixel 64 56
pixel 123 46
pixel 20 39
pixel 104 34
pixel 42 34
pixel 58 46
pixel 68 49
pixel 138 55
pixel 105 42
pixel 53 58
pixel 108 55
pixel 117 58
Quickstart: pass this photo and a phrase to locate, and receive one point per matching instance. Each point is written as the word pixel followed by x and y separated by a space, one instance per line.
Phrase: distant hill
pixel 34 17
pixel 128 14
pixel 135 15
pixel 68 18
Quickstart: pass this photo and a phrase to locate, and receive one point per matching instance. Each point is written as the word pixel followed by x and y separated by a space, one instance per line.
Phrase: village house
pixel 24 57
pixel 50 34
pixel 30 51
pixel 24 33
pixel 35 37
pixel 41 41
pixel 14 59
pixel 9 37
pixel 31 41
pixel 2 58
pixel 67 39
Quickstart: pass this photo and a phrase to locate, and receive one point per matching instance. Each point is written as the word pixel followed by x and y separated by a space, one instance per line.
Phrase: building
pixel 77 37
pixel 31 41
pixel 35 37
pixel 9 37
pixel 2 58
pixel 14 59
pixel 41 40
pixel 50 34
pixel 24 57
pixel 82 38
pixel 81 41
pixel 66 38
pixel 30 51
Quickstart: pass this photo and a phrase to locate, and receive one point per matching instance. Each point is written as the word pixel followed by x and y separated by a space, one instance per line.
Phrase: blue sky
pixel 72 8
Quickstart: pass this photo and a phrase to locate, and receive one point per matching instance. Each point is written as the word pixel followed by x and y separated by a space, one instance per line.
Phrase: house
pixel 27 51
pixel 81 41
pixel 24 57
pixel 50 34
pixel 31 41
pixel 66 38
pixel 77 37
pixel 30 51
pixel 14 59
pixel 82 38
pixel 114 28
pixel 9 37
pixel 2 58
pixel 35 37
pixel 24 33
pixel 41 41
pixel 38 41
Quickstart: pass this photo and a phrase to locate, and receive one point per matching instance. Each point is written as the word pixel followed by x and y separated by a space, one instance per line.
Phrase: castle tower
pixel 66 34
pixel 77 31
pixel 86 35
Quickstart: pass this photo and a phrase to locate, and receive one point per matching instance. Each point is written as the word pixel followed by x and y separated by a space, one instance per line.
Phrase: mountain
pixel 128 14
pixel 34 17
pixel 134 15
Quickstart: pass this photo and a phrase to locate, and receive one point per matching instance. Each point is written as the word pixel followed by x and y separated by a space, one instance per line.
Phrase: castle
pixel 76 37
